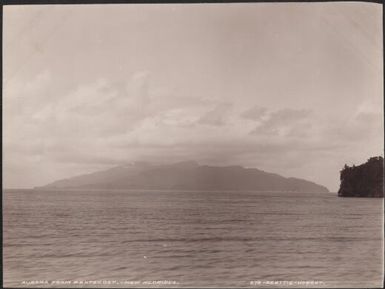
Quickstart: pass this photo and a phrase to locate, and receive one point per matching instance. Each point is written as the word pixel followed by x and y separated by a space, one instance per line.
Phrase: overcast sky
pixel 294 89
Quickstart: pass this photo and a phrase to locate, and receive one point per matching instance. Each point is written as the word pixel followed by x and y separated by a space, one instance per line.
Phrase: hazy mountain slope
pixel 187 176
pixel 100 178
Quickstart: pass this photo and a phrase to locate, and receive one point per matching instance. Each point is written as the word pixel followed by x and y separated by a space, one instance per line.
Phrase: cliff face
pixel 365 180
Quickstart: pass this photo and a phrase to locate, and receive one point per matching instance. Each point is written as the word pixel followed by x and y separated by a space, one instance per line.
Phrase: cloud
pixel 297 106
pixel 101 122
pixel 217 116
pixel 255 113
pixel 289 114
pixel 285 122
pixel 356 130
pixel 105 123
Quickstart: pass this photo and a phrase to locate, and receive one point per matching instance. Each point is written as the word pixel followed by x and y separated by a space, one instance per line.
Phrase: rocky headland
pixel 365 180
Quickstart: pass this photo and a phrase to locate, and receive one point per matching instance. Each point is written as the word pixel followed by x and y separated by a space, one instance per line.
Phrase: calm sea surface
pixel 190 239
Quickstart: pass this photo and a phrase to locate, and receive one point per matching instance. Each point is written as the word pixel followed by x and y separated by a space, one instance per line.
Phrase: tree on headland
pixel 366 180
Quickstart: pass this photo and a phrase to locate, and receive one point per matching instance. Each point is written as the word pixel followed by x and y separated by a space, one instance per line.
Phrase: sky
pixel 290 88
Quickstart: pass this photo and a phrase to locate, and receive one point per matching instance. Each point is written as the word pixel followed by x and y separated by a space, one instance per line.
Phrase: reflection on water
pixel 192 238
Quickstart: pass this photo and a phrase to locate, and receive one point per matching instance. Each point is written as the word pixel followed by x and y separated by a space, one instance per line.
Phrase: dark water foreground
pixel 191 239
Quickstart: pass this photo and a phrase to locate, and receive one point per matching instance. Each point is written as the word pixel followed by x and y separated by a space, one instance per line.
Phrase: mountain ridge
pixel 188 175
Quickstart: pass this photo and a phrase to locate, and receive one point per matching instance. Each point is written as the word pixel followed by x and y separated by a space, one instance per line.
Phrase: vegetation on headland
pixel 366 180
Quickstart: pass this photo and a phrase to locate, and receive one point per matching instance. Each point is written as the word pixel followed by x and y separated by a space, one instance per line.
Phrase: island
pixel 365 180
pixel 187 175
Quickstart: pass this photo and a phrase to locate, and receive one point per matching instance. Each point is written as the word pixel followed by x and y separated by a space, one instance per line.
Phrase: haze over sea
pixel 194 238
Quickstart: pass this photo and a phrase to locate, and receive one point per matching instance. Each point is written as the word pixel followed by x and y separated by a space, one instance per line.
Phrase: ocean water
pixel 190 239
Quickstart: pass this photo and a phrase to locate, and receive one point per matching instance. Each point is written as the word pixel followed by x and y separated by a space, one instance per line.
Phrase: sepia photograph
pixel 193 145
